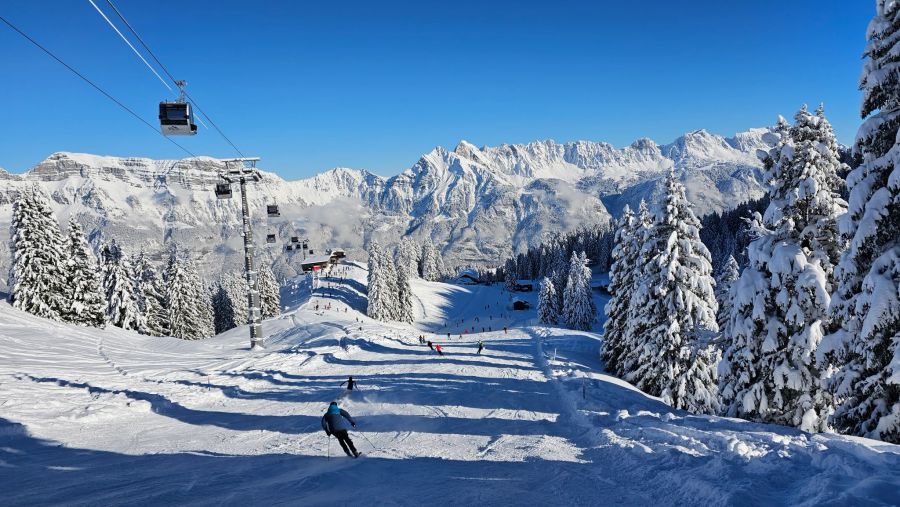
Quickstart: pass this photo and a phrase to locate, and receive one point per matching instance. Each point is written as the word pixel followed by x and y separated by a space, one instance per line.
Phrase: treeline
pixel 59 277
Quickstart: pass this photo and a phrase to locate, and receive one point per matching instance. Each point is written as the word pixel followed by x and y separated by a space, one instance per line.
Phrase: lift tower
pixel 242 170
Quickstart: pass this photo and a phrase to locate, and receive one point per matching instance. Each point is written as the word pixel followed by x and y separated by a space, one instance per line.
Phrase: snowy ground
pixel 109 417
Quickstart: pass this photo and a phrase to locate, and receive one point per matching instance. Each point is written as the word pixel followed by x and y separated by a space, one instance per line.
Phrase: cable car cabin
pixel 223 191
pixel 295 239
pixel 270 238
pixel 272 210
pixel 304 245
pixel 176 119
pixel 288 248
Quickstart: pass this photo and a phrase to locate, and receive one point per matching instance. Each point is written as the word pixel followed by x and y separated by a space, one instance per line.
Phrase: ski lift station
pixel 318 262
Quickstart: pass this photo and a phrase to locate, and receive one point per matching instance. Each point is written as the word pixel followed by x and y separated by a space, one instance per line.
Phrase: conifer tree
pixel 579 310
pixel 122 308
pixel 548 303
pixel 38 275
pixel 269 292
pixel 861 357
pixel 404 295
pixel 676 302
pixel 621 287
pixel 780 303
pixel 430 269
pixel 408 254
pixel 729 273
pixel 379 290
pixel 190 305
pixel 87 305
pixel 151 293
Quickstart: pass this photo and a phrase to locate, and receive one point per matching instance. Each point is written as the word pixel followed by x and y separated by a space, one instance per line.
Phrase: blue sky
pixel 313 85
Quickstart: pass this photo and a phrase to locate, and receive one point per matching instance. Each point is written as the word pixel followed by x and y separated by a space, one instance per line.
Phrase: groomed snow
pixel 110 417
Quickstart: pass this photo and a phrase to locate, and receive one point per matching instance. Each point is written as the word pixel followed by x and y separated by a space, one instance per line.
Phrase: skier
pixel 350 383
pixel 438 347
pixel 504 330
pixel 430 346
pixel 480 346
pixel 333 424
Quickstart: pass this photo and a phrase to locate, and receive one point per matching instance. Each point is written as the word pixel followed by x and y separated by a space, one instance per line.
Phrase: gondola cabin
pixel 270 238
pixel 295 239
pixel 176 119
pixel 288 248
pixel 272 210
pixel 223 191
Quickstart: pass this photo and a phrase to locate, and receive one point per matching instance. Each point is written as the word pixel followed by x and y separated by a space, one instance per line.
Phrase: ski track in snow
pixel 110 417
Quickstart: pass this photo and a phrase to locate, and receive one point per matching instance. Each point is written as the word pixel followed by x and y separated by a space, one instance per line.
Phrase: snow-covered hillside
pixel 110 417
pixel 477 204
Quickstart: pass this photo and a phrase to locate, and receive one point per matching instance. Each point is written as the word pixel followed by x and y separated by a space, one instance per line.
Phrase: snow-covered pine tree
pixel 87 304
pixel 780 303
pixel 636 328
pixel 676 301
pixel 378 287
pixel 579 311
pixel 408 254
pixel 236 285
pixel 429 267
pixel 151 292
pixel 729 273
pixel 223 312
pixel 439 267
pixel 38 275
pixel 560 268
pixel 122 309
pixel 404 294
pixel 190 306
pixel 548 303
pixel 269 292
pixel 509 275
pixel 862 356
pixel 621 279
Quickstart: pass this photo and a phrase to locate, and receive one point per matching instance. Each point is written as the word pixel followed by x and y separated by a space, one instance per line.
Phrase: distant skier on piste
pixel 480 346
pixel 350 383
pixel 333 424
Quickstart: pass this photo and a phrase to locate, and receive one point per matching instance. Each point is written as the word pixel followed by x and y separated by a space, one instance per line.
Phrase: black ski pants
pixel 346 444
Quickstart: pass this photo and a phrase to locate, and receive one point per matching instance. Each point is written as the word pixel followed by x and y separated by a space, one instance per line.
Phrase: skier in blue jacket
pixel 333 424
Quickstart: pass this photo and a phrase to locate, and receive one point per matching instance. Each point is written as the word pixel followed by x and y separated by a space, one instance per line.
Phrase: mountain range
pixel 476 204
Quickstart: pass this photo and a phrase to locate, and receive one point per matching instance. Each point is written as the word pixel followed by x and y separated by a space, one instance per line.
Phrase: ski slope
pixel 109 417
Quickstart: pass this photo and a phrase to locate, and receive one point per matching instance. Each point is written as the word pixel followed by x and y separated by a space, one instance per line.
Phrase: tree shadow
pixel 42 472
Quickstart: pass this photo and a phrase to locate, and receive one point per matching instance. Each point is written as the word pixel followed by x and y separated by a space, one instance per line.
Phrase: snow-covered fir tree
pixel 509 275
pixel 230 303
pixel 87 304
pixel 779 304
pixel 408 254
pixel 636 328
pixel 151 295
pixel 223 313
pixel 379 286
pixel 189 302
pixel 559 269
pixel 579 311
pixel 430 264
pixel 404 304
pixel 269 292
pixel 621 287
pixel 548 303
pixel 729 273
pixel 122 308
pixel 861 357
pixel 38 276
pixel 676 304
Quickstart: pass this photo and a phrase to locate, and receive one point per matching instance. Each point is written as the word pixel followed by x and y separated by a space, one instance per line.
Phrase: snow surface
pixel 111 417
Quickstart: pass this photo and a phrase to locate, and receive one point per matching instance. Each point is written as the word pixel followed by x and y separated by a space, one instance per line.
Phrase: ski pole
pixel 329 447
pixel 369 441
